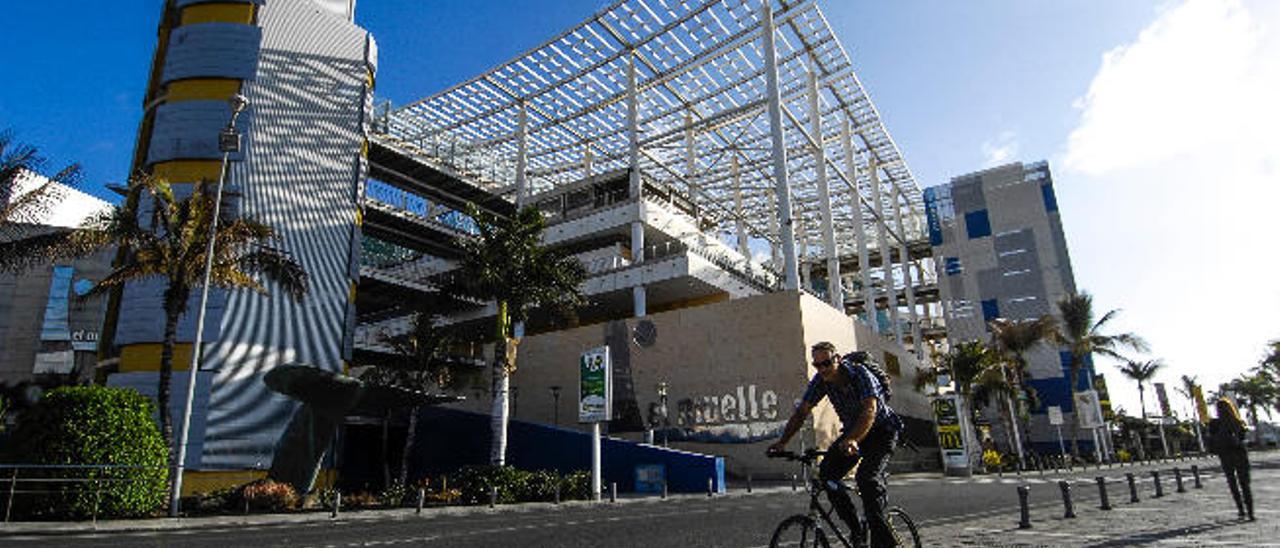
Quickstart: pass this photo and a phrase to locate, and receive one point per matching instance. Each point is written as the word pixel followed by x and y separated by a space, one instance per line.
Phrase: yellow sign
pixel 1202 409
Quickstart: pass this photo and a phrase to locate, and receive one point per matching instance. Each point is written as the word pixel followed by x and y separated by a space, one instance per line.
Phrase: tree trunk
pixel 409 438
pixel 501 385
pixel 1142 401
pixel 172 313
pixel 386 466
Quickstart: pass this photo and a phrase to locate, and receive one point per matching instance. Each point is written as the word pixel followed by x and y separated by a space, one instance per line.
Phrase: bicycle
pixel 807 531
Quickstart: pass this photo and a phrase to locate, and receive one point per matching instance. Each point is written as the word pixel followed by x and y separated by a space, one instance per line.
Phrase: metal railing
pixel 67 480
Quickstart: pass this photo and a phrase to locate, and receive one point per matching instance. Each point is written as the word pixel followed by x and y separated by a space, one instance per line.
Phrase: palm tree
pixel 1084 337
pixel 1011 340
pixel 1141 373
pixel 1254 391
pixel 965 363
pixel 170 244
pixel 421 363
pixel 506 263
pixel 21 205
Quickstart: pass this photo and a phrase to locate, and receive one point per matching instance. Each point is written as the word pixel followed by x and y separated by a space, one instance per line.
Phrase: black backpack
pixel 859 357
pixel 1225 435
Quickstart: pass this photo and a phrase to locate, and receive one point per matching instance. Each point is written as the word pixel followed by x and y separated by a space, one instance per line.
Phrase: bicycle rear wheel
pixel 904 530
pixel 798 531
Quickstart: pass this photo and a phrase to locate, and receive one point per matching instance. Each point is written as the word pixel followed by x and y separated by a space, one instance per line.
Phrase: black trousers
pixel 1235 465
pixel 872 462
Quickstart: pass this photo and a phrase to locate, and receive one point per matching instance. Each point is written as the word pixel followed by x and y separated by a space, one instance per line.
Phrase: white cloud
pixel 1172 182
pixel 1001 150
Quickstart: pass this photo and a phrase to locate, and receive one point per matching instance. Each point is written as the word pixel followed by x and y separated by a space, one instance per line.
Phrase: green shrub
pixel 394 495
pixel 576 486
pixel 78 425
pixel 270 495
pixel 473 484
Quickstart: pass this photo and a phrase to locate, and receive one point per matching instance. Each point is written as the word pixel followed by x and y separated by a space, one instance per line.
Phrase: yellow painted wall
pixel 189 171
pixel 146 357
pixel 219 89
pixel 218 13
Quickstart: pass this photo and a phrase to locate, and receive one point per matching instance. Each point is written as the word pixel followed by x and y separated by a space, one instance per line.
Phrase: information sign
pixel 1087 409
pixel 950 436
pixel 1055 415
pixel 595 386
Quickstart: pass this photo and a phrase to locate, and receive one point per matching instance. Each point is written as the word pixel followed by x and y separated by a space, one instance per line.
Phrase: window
pixel 951 266
pixel 977 224
pixel 990 310
pixel 1050 200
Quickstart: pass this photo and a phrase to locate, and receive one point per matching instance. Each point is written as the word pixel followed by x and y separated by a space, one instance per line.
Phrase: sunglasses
pixel 823 364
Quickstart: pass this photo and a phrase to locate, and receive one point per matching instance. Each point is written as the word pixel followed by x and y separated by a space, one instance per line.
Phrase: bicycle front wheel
pixel 903 529
pixel 798 531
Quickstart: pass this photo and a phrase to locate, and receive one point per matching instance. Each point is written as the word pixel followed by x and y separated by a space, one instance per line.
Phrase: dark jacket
pixel 1226 436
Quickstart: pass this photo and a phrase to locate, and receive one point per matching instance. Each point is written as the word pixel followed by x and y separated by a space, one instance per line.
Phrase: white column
pixel 775 246
pixel 835 293
pixel 859 232
pixel 802 255
pixel 522 156
pixel 882 240
pixel 690 156
pixel 638 297
pixel 905 253
pixel 588 162
pixel 785 225
pixel 741 223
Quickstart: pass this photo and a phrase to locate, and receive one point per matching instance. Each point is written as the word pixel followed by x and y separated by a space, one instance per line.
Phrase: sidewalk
pixel 1198 517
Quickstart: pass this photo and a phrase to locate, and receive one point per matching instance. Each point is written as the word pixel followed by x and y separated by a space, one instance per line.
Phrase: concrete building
pixel 1000 252
pixel 666 164
pixel 48 333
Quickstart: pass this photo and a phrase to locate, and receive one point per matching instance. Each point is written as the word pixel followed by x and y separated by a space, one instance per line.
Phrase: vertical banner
pixel 1088 412
pixel 1164 399
pixel 595 386
pixel 1202 409
pixel 950 438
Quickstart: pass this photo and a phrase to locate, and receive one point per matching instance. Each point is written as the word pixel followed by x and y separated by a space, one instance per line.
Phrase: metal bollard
pixel 613 491
pixel 337 504
pixel 793 481
pixel 493 497
pixel 1068 509
pixel 710 487
pixel 1155 477
pixel 557 501
pixel 1177 478
pixel 748 478
pixel 1102 493
pixel 664 488
pixel 422 494
pixel 1025 521
pixel 1195 475
pixel 1133 487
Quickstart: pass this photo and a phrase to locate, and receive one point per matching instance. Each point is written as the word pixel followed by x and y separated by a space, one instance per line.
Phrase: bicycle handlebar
pixel 807 457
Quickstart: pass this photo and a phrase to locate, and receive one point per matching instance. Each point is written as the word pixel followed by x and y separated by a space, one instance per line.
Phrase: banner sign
pixel 1202 409
pixel 595 386
pixel 1104 397
pixel 1163 398
pixel 950 437
pixel 1087 410
pixel 1055 415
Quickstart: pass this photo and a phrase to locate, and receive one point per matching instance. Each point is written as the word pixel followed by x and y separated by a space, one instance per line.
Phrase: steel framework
pixel 688 81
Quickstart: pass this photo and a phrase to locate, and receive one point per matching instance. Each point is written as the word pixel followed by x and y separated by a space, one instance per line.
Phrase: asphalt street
pixel 738 520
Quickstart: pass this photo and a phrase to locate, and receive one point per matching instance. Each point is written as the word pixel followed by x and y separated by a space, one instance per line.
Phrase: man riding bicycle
pixel 870 429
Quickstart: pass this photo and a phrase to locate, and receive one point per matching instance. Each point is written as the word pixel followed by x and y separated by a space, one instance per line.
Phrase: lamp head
pixel 238 103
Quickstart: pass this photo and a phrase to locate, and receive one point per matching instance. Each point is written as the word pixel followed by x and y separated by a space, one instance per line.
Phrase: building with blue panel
pixel 1004 255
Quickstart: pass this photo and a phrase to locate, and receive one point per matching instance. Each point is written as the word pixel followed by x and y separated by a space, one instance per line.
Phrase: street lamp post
pixel 228 142
pixel 555 395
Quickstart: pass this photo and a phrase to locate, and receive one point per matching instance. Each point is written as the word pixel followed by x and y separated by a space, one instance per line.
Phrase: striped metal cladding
pixel 212 50
pixel 301 175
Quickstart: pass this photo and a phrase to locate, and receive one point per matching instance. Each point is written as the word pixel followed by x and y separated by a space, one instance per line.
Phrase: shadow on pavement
pixel 1151 537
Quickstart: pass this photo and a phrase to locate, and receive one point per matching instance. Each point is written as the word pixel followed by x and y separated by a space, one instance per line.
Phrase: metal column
pixel 859 231
pixel 882 239
pixel 522 156
pixel 786 228
pixel 638 297
pixel 905 254
pixel 741 224
pixel 835 294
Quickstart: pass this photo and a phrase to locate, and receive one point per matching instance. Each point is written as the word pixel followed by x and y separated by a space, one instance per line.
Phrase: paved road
pixel 737 520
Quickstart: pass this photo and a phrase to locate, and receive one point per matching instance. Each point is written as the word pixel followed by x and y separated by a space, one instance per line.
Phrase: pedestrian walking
pixel 1226 439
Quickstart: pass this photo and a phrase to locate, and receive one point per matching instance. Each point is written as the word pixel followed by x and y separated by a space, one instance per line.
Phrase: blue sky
pixel 1156 117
